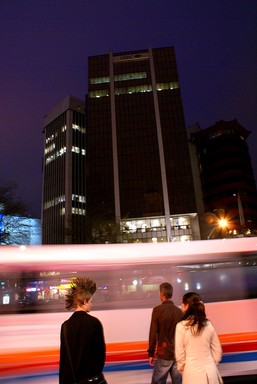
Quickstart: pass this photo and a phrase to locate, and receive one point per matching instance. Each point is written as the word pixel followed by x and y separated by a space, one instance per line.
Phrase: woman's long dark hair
pixel 195 313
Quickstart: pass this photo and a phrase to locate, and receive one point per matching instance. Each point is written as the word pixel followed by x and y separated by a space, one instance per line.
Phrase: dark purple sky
pixel 45 45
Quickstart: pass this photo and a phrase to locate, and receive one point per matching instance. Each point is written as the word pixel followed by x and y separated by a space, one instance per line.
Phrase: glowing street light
pixel 223 223
pixel 219 223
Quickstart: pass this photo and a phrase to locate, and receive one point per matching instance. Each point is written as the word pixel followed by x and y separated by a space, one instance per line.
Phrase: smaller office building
pixel 64 196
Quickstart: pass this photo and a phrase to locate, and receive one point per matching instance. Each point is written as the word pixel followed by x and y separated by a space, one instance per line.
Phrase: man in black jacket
pixel 162 333
pixel 82 353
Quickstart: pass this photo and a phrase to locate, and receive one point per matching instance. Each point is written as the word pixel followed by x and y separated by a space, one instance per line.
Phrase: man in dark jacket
pixel 82 354
pixel 162 333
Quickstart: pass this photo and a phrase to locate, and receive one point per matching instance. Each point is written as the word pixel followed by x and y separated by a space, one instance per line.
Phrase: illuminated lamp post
pixel 219 221
pixel 219 224
pixel 240 213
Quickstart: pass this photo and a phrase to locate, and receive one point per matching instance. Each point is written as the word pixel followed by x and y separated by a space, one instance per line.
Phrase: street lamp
pixel 223 223
pixel 240 210
pixel 219 223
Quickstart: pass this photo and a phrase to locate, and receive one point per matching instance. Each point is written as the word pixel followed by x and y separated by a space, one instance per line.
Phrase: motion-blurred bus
pixel 33 282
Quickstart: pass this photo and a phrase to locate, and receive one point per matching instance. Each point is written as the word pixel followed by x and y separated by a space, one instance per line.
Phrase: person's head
pixel 79 294
pixel 194 311
pixel 166 291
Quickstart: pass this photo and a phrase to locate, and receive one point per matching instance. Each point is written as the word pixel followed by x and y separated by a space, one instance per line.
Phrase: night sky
pixel 45 45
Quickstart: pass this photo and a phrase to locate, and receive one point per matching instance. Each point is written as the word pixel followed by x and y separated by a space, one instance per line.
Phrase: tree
pixel 105 231
pixel 14 226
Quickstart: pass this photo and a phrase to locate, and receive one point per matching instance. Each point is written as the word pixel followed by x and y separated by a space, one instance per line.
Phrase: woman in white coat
pixel 197 346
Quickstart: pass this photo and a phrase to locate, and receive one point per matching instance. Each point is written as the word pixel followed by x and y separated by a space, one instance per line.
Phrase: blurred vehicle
pixel 32 302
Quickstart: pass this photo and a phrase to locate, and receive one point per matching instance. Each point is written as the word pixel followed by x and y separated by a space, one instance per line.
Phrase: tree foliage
pixel 105 231
pixel 9 203
pixel 14 227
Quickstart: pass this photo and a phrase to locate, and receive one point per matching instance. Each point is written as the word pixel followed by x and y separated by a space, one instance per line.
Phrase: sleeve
pixel 216 349
pixel 100 347
pixel 180 351
pixel 153 334
pixel 62 356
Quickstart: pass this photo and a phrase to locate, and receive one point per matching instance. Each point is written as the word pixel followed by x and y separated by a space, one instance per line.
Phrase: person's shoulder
pixel 69 320
pixel 157 307
pixel 181 325
pixel 87 318
pixel 94 319
pixel 210 325
pixel 177 307
pixel 177 310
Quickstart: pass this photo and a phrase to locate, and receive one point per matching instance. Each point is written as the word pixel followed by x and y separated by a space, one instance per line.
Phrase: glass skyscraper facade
pixel 138 163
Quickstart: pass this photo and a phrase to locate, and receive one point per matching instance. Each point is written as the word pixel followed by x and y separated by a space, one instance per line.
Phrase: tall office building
pixel 138 164
pixel 226 175
pixel 64 198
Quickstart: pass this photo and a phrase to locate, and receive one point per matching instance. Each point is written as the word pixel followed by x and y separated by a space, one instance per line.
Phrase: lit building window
pixel 50 138
pixel 180 222
pixel 53 202
pixel 130 76
pixel 80 198
pixel 61 151
pixel 120 77
pixel 135 89
pixel 78 211
pixel 99 80
pixel 79 128
pixel 99 93
pixel 185 238
pixel 77 150
pixel 167 86
pixel 143 225
pixel 50 148
pixel 49 159
pixel 150 228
